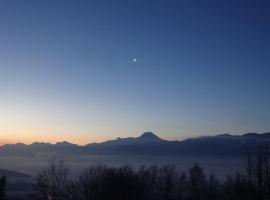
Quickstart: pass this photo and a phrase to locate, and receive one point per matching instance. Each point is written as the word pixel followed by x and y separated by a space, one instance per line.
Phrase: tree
pixel 258 174
pixel 121 184
pixel 89 184
pixel 196 182
pixel 168 182
pixel 51 183
pixel 148 176
pixel 3 182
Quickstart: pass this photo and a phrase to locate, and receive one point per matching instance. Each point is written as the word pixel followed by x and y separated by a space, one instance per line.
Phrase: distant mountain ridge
pixel 149 143
pixel 14 174
pixel 17 184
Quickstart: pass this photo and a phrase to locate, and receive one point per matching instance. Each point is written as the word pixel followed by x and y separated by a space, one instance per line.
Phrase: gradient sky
pixel 67 70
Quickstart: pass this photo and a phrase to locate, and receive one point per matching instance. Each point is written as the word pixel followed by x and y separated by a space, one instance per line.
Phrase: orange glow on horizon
pixel 13 138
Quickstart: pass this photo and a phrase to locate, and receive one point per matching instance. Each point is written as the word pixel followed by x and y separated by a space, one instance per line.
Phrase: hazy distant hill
pixel 13 175
pixel 19 185
pixel 149 143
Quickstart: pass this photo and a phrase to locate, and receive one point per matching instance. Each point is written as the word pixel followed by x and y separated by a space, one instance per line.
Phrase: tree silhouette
pixel 3 182
pixel 89 184
pixel 153 183
pixel 51 183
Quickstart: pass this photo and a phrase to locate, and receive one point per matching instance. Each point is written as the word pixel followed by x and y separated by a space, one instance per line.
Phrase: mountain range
pixel 149 143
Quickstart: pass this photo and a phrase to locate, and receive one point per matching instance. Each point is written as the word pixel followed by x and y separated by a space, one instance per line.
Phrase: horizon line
pixel 73 143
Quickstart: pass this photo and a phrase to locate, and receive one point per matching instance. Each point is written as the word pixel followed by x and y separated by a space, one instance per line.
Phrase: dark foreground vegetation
pixel 3 183
pixel 151 183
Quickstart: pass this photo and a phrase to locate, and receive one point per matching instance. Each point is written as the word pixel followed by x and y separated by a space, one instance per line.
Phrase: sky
pixel 86 71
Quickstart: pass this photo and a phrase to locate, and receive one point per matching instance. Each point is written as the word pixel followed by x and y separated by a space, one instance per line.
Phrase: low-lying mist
pixel 219 165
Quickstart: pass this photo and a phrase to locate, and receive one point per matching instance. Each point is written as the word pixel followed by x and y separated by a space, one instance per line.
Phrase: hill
pixel 149 143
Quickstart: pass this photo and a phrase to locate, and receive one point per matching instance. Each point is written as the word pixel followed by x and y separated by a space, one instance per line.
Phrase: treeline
pixel 153 183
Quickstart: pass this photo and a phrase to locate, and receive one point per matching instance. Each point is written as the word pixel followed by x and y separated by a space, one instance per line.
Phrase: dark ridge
pixel 13 174
pixel 267 134
pixel 257 135
pixel 224 135
pixel 149 143
pixel 149 136
pixel 65 143
pixel 251 135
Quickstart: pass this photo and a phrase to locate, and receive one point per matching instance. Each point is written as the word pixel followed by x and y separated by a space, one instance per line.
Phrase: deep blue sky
pixel 67 70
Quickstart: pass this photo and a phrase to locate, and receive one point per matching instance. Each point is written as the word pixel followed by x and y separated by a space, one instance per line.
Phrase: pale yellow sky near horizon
pixel 91 138
pixel 51 138
pixel 13 137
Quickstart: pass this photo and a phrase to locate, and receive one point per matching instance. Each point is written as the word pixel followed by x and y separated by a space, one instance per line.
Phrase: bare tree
pixel 168 182
pixel 51 183
pixel 258 173
pixel 89 184
pixel 121 184
pixel 149 177
pixel 196 182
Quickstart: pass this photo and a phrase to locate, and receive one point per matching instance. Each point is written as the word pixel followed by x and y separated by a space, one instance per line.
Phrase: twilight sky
pixel 67 69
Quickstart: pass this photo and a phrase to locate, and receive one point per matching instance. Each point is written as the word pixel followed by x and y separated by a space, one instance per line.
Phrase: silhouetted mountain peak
pixel 149 136
pixel 251 135
pixel 257 135
pixel 20 144
pixel 40 144
pixel 225 135
pixel 64 143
